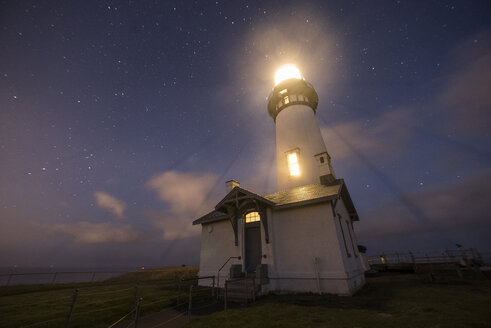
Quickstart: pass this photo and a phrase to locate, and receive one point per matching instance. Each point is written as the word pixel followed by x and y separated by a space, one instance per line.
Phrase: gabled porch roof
pixel 282 200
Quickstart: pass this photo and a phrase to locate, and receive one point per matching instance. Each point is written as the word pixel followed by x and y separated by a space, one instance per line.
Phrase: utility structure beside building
pixel 301 238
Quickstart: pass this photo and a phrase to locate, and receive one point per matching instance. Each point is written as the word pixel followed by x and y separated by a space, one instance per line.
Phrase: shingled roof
pixel 303 194
pixel 299 196
pixel 211 217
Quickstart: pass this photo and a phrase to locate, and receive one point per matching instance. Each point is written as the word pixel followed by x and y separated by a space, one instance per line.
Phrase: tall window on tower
pixel 292 158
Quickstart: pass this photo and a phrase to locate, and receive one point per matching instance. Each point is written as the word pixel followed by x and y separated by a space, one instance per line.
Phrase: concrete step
pixel 241 291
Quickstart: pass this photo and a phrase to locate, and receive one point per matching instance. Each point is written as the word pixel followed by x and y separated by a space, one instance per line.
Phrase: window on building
pixel 351 238
pixel 252 217
pixel 344 238
pixel 293 166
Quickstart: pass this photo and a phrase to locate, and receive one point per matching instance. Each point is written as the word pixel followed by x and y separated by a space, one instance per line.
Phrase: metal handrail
pixel 224 264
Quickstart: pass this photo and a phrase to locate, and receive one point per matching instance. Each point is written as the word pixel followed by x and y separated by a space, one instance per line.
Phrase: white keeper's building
pixel 301 238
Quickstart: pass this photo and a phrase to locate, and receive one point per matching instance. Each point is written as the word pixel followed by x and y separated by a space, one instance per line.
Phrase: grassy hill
pixel 390 300
pixel 98 304
pixel 396 300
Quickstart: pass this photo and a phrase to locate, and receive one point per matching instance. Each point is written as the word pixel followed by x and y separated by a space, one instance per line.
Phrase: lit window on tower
pixel 293 164
pixel 252 217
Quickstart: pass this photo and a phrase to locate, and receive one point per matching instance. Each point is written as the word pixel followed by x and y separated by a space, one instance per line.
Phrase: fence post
pixel 459 272
pixel 476 255
pixel 247 291
pixel 54 277
pixel 75 293
pixel 178 291
pixel 190 305
pixel 135 297
pixel 10 278
pixel 415 269
pixel 137 314
pixel 213 287
pixel 225 301
pixel 218 285
pixel 254 290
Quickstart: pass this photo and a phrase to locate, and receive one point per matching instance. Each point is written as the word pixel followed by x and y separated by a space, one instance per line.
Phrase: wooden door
pixel 253 251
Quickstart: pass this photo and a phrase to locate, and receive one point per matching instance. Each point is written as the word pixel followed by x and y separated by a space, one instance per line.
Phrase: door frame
pixel 256 224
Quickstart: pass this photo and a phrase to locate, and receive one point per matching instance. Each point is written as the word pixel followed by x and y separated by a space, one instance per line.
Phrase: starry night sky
pixel 120 121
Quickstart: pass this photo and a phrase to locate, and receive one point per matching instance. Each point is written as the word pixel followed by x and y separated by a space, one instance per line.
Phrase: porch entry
pixel 253 250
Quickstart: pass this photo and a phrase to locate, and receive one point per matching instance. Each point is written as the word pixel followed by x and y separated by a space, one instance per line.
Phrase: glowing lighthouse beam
pixel 286 72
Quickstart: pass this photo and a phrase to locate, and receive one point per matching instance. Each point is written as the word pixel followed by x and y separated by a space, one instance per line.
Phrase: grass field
pixel 97 304
pixel 386 301
pixel 395 300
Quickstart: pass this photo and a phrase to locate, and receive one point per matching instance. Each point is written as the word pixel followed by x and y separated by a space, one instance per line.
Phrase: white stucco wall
pixel 353 263
pixel 302 234
pixel 297 236
pixel 217 245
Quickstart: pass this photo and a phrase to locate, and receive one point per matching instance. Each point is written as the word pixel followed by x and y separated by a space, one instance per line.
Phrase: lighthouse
pixel 298 239
pixel 301 155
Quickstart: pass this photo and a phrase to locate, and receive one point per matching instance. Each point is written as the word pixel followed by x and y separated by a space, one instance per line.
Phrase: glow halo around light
pixel 286 72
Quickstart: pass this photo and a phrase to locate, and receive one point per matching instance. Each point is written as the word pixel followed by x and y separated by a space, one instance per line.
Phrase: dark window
pixel 322 160
pixel 344 238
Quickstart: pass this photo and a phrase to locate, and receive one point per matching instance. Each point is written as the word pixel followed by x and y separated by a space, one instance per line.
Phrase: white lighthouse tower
pixel 300 238
pixel 301 154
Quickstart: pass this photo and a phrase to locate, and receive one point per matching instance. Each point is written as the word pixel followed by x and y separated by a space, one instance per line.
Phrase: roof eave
pixel 305 202
pixel 247 193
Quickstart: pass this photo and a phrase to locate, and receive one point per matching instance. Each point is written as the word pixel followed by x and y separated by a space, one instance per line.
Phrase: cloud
pixel 446 207
pixel 465 99
pixel 96 233
pixel 173 226
pixel 459 109
pixel 110 203
pixel 187 194
pixel 385 134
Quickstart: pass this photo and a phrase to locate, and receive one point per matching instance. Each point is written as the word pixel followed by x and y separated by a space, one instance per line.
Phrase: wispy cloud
pixel 110 203
pixel 449 206
pixel 186 193
pixel 465 99
pixel 385 134
pixel 95 233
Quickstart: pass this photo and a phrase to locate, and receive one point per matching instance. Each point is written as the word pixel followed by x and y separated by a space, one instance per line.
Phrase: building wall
pixel 352 262
pixel 217 247
pixel 296 127
pixel 297 236
pixel 303 236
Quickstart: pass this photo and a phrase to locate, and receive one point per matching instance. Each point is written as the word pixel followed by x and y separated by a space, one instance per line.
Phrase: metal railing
pixel 462 256
pixel 218 272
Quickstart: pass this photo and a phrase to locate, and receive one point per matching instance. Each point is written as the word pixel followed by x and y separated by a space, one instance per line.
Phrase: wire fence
pixel 460 256
pixel 14 278
pixel 172 300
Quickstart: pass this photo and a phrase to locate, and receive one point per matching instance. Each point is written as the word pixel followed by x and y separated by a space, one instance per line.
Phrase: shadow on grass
pixel 374 295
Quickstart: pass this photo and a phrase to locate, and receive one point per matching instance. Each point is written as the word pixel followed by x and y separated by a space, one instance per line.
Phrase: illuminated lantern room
pixel 290 89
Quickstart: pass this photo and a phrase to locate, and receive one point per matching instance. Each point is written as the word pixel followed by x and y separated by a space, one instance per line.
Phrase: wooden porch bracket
pixel 232 215
pixel 263 213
